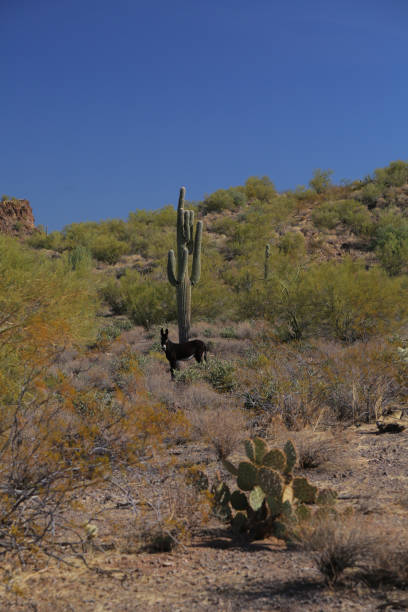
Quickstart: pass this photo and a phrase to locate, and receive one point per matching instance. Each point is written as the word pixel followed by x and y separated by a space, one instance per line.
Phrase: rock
pixel 393 421
pixel 16 217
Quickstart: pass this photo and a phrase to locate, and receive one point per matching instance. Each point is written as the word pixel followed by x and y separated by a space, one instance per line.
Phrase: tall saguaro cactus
pixel 180 279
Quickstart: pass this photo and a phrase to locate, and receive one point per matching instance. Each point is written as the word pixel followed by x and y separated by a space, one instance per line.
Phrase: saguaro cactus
pixel 266 261
pixel 180 279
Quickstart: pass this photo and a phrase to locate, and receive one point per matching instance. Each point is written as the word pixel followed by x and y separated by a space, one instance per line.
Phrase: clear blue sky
pixel 110 105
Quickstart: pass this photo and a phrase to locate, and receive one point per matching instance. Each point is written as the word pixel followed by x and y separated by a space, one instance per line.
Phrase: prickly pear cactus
pixel 269 500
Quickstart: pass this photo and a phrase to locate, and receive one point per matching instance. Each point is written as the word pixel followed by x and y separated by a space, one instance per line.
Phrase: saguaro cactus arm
pixel 171 269
pixel 196 269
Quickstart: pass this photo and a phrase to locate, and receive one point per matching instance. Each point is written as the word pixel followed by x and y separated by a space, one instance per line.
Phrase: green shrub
pixel 350 212
pixel 292 243
pixel 110 332
pixel 147 301
pixel 223 199
pixel 54 241
pixel 355 303
pixel 260 188
pixel 189 375
pixel 79 258
pixel 302 194
pixel 228 332
pixel 391 242
pixel 220 373
pixel 321 180
pixel 393 175
pixel 340 300
pixel 113 296
pixel 369 194
pixel 108 249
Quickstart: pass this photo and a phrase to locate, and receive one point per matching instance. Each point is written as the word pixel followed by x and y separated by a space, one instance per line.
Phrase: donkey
pixel 182 352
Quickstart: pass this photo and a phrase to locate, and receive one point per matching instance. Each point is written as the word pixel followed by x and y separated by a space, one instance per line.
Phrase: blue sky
pixel 107 106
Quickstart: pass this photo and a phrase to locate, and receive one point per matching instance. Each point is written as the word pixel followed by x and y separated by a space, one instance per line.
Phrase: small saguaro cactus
pixel 266 262
pixel 180 278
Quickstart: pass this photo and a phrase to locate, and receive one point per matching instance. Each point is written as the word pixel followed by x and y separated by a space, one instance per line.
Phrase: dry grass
pixel 166 510
pixel 223 428
pixel 377 555
pixel 337 545
pixel 321 450
pixel 387 563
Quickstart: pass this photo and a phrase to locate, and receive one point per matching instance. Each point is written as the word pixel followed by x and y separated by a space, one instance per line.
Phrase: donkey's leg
pixel 173 366
pixel 198 356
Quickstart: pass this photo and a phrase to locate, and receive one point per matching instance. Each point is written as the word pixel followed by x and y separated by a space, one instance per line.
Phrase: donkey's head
pixel 164 335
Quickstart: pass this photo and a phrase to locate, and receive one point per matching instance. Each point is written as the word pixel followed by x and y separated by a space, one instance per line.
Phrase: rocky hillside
pixel 16 217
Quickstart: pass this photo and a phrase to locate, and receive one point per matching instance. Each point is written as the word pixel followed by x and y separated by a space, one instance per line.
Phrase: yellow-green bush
pixel 44 305
pixel 147 300
pixel 340 300
pixel 350 212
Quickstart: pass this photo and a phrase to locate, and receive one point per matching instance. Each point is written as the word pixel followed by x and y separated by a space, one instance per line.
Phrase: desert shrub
pixel 67 441
pixel 108 249
pixel 302 194
pixel 223 199
pixel 319 449
pixel 386 562
pixel 223 428
pixel 108 333
pixel 228 332
pixel 223 225
pixel 211 298
pixel 260 188
pixel 147 301
pixel 290 302
pixel 292 243
pixel 111 293
pixel 189 375
pixel 321 180
pixel 44 305
pixel 327 383
pixel 54 241
pixel 350 212
pixel 359 381
pixel 356 303
pixel 336 546
pixel 393 175
pixel 391 242
pixel 369 194
pixel 79 258
pixel 220 373
pixel 340 300
pixel 171 512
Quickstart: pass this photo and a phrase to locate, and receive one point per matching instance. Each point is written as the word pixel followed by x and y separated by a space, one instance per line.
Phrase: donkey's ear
pixel 161 331
pixel 167 331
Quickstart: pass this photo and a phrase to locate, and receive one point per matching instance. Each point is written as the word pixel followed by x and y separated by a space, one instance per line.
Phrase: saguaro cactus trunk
pixel 180 278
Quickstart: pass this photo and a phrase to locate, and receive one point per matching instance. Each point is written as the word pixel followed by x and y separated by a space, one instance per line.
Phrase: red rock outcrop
pixel 16 217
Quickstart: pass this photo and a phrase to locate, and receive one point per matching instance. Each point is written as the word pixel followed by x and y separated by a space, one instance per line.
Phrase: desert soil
pixel 215 573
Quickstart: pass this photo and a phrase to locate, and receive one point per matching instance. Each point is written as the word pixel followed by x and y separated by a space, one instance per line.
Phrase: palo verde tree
pixel 180 279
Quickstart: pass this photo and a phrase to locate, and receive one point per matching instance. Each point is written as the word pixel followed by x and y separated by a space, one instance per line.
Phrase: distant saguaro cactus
pixel 180 279
pixel 266 262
